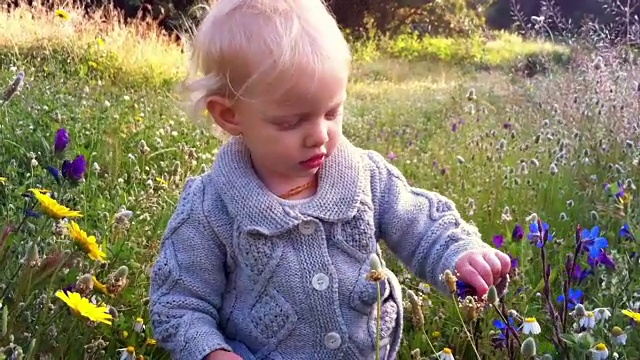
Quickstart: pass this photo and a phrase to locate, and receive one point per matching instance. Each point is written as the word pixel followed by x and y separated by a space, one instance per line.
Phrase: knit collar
pixel 256 208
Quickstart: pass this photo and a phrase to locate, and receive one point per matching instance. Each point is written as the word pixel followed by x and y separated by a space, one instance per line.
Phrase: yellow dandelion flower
pixel 632 314
pixel 62 14
pixel 162 181
pixel 97 285
pixel 82 307
pixel 88 243
pixel 151 342
pixel 52 208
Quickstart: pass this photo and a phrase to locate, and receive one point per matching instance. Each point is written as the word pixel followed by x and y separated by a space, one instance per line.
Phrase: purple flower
pixel 454 127
pixel 74 170
pixel 61 141
pixel 506 126
pixel 498 240
pixel 392 156
pixel 579 274
pixel 515 261
pixel 463 289
pixel 602 258
pixel 518 233
pixel 575 298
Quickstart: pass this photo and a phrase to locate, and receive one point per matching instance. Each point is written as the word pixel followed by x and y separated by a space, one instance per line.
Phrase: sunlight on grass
pixel 136 47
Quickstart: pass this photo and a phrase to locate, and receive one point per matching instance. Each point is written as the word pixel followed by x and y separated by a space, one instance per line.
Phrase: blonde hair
pixel 242 43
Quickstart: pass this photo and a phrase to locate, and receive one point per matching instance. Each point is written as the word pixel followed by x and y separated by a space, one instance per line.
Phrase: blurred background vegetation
pixel 436 17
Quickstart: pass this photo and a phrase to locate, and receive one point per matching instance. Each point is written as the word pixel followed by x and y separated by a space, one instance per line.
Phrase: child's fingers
pixel 495 265
pixel 468 274
pixel 482 267
pixel 505 262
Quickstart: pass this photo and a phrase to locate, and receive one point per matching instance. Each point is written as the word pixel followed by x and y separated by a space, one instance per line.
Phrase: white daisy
pixel 531 326
pixel 588 321
pixel 445 354
pixel 601 314
pixel 138 326
pixel 618 336
pixel 599 352
pixel 128 353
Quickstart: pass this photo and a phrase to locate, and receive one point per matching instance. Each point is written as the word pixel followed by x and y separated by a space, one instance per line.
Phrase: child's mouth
pixel 313 162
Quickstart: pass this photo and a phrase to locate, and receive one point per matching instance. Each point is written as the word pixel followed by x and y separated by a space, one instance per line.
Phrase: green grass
pixel 121 114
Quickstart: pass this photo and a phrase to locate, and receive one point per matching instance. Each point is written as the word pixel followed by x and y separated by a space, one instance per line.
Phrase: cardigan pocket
pixel 357 235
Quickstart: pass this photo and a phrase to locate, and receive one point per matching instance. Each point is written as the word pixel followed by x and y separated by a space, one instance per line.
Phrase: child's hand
pixel 483 268
pixel 223 355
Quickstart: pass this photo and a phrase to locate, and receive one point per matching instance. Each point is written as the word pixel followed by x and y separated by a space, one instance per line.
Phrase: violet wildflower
pixel 454 127
pixel 576 296
pixel 602 258
pixel 74 170
pixel 498 240
pixel 61 141
pixel 579 274
pixel 392 156
pixel 518 233
pixel 463 289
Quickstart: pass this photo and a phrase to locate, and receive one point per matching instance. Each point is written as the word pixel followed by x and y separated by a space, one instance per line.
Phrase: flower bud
pixel 450 280
pixel 528 348
pixel 122 272
pixel 492 296
pixel 374 263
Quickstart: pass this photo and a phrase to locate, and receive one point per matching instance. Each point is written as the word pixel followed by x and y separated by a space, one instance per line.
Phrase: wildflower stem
pixel 547 294
pixel 457 306
pixel 509 327
pixel 574 261
pixel 430 343
pixel 379 306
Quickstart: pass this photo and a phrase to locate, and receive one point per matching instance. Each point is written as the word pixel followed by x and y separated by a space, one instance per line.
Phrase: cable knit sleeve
pixel 422 228
pixel 187 281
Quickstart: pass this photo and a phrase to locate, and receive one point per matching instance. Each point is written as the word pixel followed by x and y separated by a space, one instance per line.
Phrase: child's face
pixel 289 137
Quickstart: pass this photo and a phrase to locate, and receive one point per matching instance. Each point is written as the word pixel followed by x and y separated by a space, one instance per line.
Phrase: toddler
pixel 267 254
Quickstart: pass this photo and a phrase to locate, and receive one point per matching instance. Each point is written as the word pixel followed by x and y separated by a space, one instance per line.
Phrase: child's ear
pixel 220 109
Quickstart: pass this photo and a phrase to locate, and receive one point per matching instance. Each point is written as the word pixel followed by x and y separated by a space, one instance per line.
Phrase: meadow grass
pixel 500 145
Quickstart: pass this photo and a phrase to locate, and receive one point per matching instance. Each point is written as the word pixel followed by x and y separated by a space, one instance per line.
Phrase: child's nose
pixel 318 136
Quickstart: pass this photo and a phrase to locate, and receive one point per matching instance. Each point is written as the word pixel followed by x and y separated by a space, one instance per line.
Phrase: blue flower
pixel 593 242
pixel 501 340
pixel 625 232
pixel 575 297
pixel 537 236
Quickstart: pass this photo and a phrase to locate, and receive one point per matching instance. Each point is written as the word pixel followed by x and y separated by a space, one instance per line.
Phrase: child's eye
pixel 333 114
pixel 288 125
